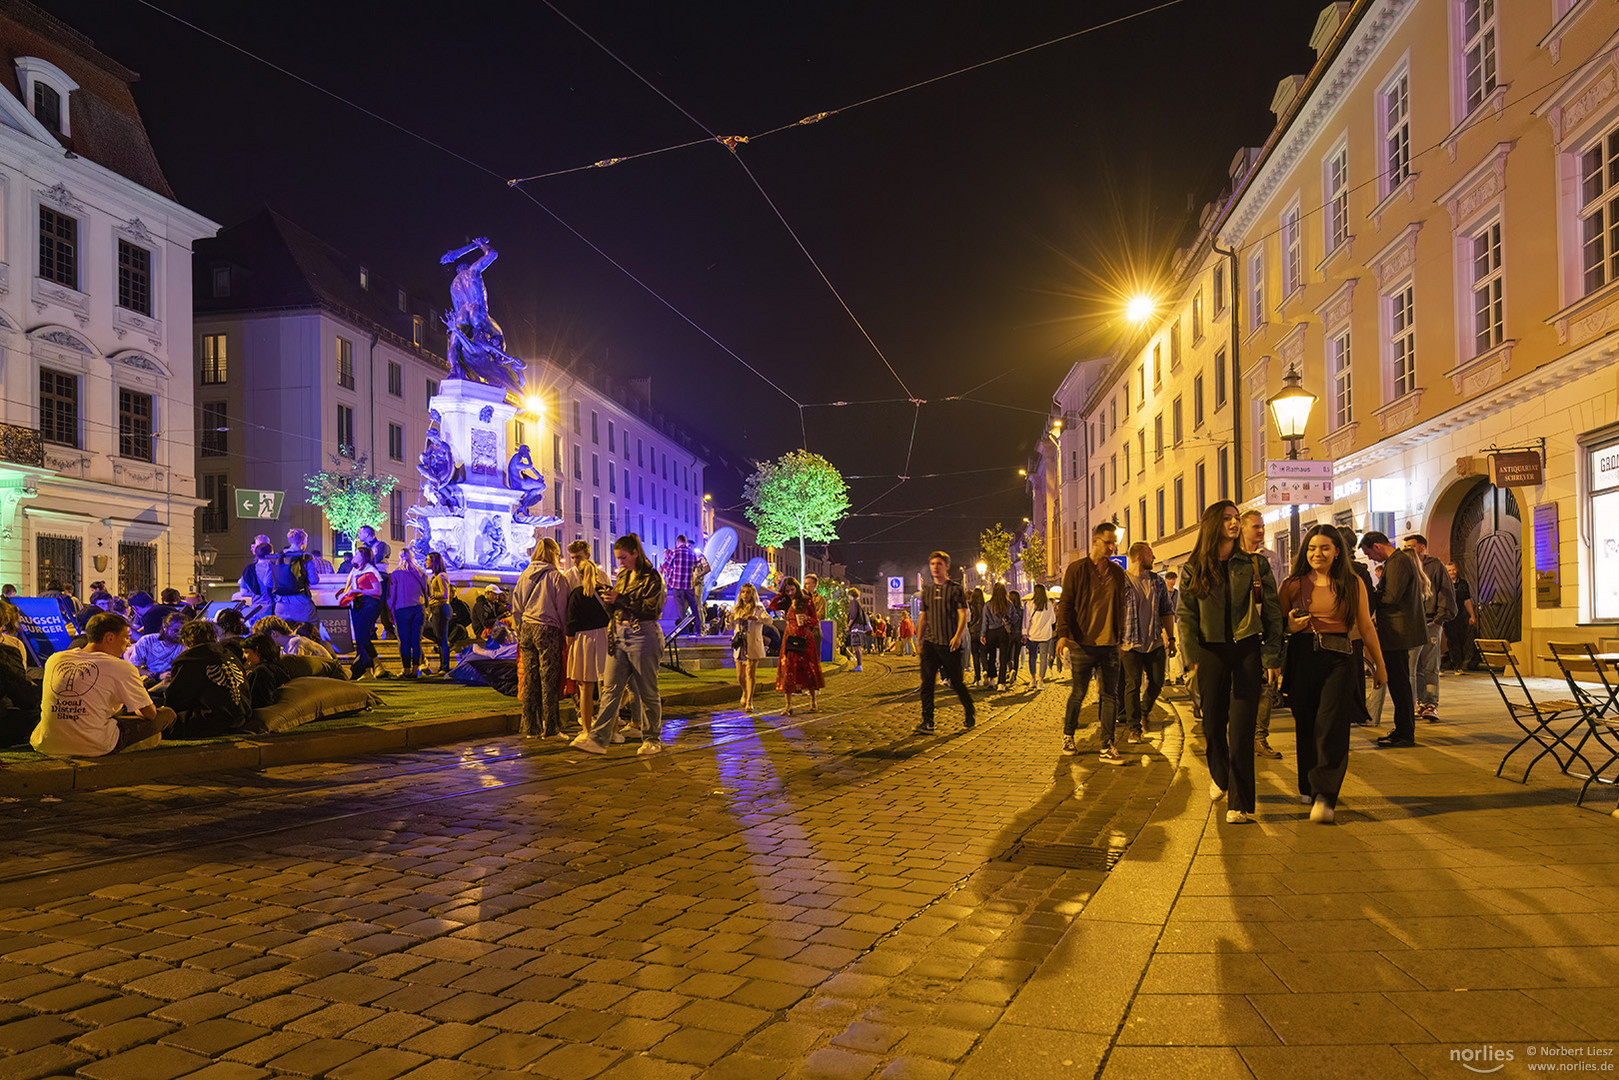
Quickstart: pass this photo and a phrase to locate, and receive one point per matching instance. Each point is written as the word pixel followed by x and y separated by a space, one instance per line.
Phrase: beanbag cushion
pixel 312 698
pixel 298 667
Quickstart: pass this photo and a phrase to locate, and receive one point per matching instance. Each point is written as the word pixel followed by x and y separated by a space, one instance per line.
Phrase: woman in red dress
pixel 798 670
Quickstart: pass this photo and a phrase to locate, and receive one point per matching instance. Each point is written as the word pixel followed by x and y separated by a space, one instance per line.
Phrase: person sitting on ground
pixel 265 675
pixel 11 631
pixel 207 687
pixel 155 653
pixel 231 625
pixel 497 642
pixel 289 643
pixel 19 697
pixel 488 608
pixel 95 701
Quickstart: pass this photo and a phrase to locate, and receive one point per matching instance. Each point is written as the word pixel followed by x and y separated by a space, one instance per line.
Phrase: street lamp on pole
pixel 1290 412
pixel 983 568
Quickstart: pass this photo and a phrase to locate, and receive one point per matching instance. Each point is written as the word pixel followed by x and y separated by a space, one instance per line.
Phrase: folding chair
pixel 1534 717
pixel 1600 709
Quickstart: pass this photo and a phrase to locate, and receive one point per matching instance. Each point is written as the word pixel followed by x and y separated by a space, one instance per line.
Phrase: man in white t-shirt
pixel 95 701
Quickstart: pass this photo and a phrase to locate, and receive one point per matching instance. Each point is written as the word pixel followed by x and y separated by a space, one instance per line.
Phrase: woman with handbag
pixel 634 649
pixel 1328 606
pixel 438 608
pixel 362 595
pixel 748 620
pixel 407 595
pixel 800 665
pixel 1231 631
pixel 587 626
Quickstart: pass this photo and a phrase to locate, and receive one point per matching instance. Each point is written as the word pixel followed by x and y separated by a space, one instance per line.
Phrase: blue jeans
pixel 1039 651
pixel 409 623
pixel 634 666
pixel 363 618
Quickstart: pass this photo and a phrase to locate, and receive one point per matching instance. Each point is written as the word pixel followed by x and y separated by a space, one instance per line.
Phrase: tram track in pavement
pixel 355 789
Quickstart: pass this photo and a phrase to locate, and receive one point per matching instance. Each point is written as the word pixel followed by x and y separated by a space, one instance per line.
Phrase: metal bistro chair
pixel 1534 717
pixel 1600 709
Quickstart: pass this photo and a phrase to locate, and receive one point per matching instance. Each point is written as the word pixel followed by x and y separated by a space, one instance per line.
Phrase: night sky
pixel 981 227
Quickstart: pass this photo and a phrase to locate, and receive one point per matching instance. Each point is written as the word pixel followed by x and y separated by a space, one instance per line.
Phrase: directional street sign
pixel 1298 482
pixel 261 505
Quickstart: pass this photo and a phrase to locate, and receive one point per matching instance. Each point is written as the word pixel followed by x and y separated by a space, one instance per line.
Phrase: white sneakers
pixel 1321 813
pixel 648 748
pixel 1216 792
pixel 587 744
pixel 1237 817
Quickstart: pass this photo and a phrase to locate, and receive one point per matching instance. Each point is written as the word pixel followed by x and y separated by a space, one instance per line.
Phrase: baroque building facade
pixel 96 460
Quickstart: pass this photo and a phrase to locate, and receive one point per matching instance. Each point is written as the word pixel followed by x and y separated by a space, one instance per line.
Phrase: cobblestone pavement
pixel 824 895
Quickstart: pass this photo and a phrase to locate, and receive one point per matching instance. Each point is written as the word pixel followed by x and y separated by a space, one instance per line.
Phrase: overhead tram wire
pixel 816 118
pixel 490 172
pixel 732 146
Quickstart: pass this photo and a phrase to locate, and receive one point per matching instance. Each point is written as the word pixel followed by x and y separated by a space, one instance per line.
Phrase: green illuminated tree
pixel 349 495
pixel 995 548
pixel 1034 556
pixel 799 494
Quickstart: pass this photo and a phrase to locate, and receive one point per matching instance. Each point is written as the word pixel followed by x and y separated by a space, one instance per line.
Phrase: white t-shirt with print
pixel 83 691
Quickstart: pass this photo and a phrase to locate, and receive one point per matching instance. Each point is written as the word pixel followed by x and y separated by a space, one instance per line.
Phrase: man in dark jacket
pixel 1438 607
pixel 1401 629
pixel 1090 623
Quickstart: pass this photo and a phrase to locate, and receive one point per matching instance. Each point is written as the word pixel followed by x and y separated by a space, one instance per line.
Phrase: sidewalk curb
pixel 55 776
pixel 1065 1019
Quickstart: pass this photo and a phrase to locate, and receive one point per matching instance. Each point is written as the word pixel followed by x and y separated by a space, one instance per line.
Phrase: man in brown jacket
pixel 1090 623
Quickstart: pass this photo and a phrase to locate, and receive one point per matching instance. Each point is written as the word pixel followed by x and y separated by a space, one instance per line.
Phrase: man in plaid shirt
pixel 679 563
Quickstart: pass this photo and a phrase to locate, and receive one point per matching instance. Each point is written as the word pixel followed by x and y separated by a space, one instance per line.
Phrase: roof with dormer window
pixel 102 115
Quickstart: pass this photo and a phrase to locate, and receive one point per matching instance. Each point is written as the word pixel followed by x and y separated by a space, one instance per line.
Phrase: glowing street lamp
pixel 534 404
pixel 1139 308
pixel 983 569
pixel 1290 412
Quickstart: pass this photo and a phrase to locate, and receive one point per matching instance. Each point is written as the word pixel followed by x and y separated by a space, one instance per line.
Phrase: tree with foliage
pixel 1034 556
pixel 349 495
pixel 799 494
pixel 995 549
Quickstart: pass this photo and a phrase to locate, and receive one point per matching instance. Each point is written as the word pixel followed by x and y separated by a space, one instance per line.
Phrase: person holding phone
pixel 1328 607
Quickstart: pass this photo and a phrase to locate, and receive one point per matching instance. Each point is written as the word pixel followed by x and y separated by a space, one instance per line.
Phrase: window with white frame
pixel 58 248
pixel 1343 388
pixel 134 278
pixel 213 365
pixel 1478 51
pixel 1217 290
pixel 1602 499
pixel 1219 378
pixel 1401 308
pixel 1256 291
pixel 1174 344
pixel 345 363
pixel 1222 472
pixel 1336 189
pixel 1197 316
pixel 58 407
pixel 1292 250
pixel 1256 424
pixel 396 516
pixel 1489 312
pixel 1197 401
pixel 1396 118
pixel 1599 211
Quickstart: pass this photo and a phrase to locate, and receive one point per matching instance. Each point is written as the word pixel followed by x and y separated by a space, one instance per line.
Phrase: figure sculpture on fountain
pixel 477 346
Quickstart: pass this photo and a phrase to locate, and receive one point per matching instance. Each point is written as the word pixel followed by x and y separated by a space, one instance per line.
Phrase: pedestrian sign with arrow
pixel 259 505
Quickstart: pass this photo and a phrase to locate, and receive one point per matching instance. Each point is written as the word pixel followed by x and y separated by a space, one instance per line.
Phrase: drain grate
pixel 1067 856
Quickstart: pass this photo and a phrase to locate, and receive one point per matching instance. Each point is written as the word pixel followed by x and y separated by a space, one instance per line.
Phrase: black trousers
pixel 936 659
pixel 1142 667
pixel 997 654
pixel 1398 664
pixel 1324 692
pixel 1232 678
pixel 1104 661
pixel 1459 644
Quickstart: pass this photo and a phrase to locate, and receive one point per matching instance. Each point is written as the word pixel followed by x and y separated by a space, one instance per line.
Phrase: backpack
pixel 584 612
pixel 291 575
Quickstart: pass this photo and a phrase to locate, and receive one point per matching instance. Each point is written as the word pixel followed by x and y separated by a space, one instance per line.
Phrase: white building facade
pixel 96 462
